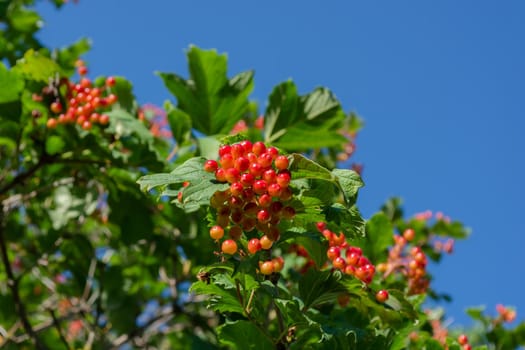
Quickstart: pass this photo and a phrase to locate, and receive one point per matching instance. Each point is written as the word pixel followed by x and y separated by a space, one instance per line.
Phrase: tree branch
pixel 12 283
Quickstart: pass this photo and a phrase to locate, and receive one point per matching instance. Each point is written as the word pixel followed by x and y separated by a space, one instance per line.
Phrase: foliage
pixel 105 223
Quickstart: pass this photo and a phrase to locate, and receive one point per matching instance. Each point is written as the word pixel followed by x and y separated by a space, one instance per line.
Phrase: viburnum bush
pixel 206 223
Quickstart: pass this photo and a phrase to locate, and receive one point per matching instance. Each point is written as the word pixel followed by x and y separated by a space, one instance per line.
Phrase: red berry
pixel 216 232
pixel 104 119
pixel 254 245
pixel 265 201
pixel 211 166
pixel 321 226
pixel 256 169
pixel 247 179
pixel 220 175
pixel 274 190
pixel 266 267
pixel 462 339
pixel 278 264
pixel 56 107
pixel 260 186
pixel 229 246
pixel 242 164
pixel 111 81
pixel 333 252
pixel 273 152
pixel 283 178
pixel 86 125
pixel 226 149
pixel 382 296
pixel 281 162
pixel 339 263
pixel 247 146
pixel 82 70
pixel 270 176
pixel 236 189
pixel 263 215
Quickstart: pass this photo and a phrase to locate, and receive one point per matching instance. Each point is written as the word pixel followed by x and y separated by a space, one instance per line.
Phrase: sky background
pixel 440 85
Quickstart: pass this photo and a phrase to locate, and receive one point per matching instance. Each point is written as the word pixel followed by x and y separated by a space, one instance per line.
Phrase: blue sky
pixel 440 85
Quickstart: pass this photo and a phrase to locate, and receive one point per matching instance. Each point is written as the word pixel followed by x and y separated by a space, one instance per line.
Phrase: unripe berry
pixel 229 247
pixel 232 175
pixel 211 166
pixel 259 148
pixel 266 243
pixel 251 209
pixel 281 162
pixel 254 245
pixel 382 296
pixel 51 123
pixel 339 263
pixel 409 234
pixel 266 267
pixel 265 160
pixel 216 232
pixel 227 161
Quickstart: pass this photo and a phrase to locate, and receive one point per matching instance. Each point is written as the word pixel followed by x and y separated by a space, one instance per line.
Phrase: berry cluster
pixel 256 199
pixel 354 263
pixel 505 314
pixel 463 341
pixel 83 104
pixel 412 264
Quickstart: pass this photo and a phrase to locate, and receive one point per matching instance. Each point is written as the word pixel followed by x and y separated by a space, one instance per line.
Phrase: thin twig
pixel 56 324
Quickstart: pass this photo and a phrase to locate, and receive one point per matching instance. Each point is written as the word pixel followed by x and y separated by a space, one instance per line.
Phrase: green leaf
pixel 379 231
pixel 202 185
pixel 214 102
pixel 243 335
pixel 316 287
pixel 122 124
pixel 180 123
pixel 220 300
pixel 11 85
pixel 54 144
pixel 350 182
pixel 35 66
pixel 304 168
pixel 346 219
pixel 301 123
pixel 24 20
